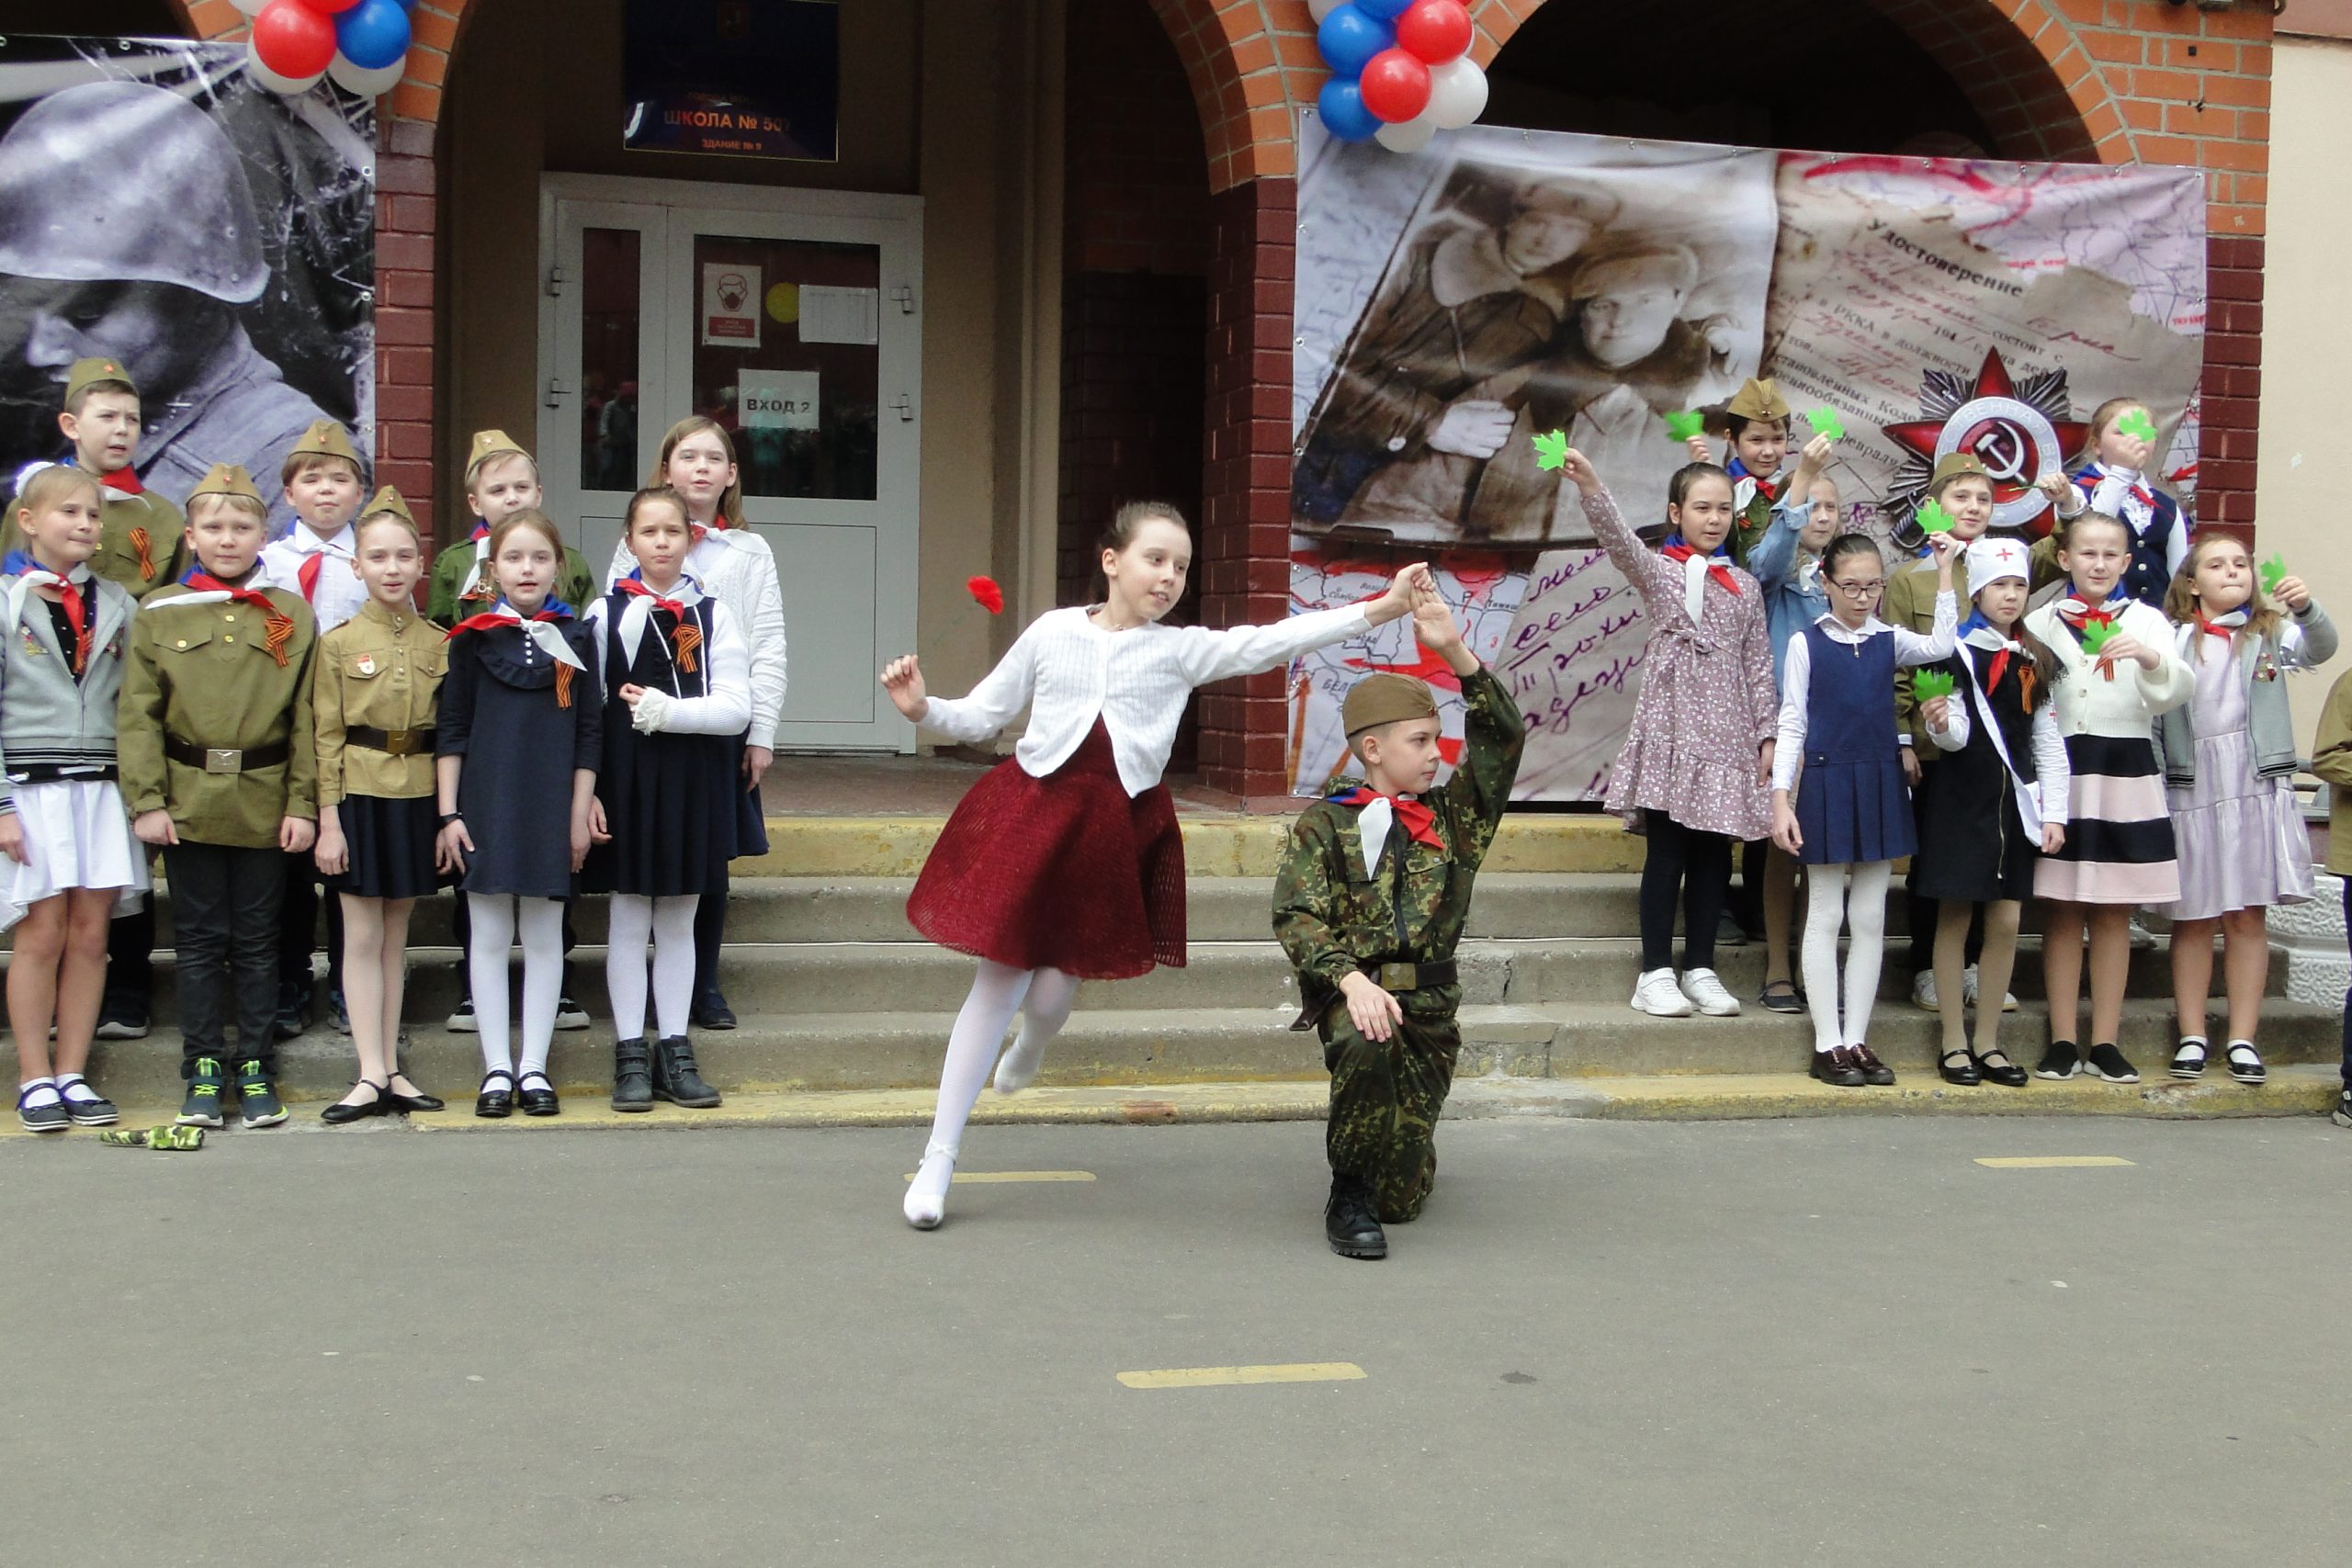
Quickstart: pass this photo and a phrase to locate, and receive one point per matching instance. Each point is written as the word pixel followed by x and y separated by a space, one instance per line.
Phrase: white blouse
pixel 736 567
pixel 1796 675
pixel 1068 671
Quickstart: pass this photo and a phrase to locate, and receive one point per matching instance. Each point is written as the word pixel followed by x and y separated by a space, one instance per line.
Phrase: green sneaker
pixel 259 1100
pixel 202 1106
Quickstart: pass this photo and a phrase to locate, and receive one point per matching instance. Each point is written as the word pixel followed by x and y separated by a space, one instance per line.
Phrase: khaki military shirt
pixel 203 674
pixel 142 543
pixel 575 585
pixel 381 670
pixel 1910 603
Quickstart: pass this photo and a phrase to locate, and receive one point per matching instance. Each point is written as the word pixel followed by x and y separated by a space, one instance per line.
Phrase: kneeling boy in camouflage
pixel 1368 903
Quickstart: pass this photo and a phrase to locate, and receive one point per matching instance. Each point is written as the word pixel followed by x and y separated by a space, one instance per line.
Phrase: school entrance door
pixel 790 317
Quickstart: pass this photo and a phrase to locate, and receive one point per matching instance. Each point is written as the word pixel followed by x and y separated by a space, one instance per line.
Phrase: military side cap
pixel 388 499
pixel 1639 266
pixel 1385 698
pixel 1956 466
pixel 325 438
pixel 88 373
pixel 227 479
pixel 1758 398
pixel 489 444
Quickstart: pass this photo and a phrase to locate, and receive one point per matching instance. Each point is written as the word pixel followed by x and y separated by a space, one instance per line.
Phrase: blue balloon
pixel 1382 11
pixel 372 34
pixel 1340 105
pixel 1347 38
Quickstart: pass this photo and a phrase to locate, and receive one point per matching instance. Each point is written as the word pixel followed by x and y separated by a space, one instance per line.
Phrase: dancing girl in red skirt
pixel 1064 863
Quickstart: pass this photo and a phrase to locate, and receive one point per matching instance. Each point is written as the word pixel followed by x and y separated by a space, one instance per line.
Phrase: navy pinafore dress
pixel 1851 805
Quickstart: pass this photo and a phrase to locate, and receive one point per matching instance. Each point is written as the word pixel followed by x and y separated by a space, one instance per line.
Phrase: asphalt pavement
pixel 1837 1342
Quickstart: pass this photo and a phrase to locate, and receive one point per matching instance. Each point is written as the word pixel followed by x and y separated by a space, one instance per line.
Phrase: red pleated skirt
pixel 1065 872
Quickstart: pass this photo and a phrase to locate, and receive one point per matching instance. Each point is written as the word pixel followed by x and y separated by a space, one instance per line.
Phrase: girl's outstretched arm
pixel 1655 579
pixel 1244 650
pixel 1003 692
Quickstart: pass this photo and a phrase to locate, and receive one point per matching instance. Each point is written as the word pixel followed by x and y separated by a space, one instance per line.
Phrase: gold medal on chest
pixel 366 664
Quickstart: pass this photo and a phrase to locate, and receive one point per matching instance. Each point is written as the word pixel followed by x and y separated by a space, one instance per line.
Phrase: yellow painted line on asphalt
pixel 980 1175
pixel 2052 1162
pixel 1223 1377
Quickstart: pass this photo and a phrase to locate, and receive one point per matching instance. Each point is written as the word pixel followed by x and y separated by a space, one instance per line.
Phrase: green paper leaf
pixel 1551 451
pixel 1934 519
pixel 2137 423
pixel 1824 422
pixel 1929 685
pixel 2099 634
pixel 2274 572
pixel 1684 426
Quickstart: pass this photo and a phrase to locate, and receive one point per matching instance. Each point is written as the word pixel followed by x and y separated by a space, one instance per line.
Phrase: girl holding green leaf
pixel 2229 761
pixel 2116 671
pixel 2114 477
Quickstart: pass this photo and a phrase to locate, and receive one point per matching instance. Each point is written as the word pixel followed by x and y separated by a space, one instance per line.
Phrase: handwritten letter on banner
pixel 1453 304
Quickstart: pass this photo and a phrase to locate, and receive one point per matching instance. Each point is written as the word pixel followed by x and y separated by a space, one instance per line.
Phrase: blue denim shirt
pixel 1789 607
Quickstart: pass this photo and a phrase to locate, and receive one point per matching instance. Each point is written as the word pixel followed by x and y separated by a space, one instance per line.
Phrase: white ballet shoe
pixel 926 1202
pixel 1017 1069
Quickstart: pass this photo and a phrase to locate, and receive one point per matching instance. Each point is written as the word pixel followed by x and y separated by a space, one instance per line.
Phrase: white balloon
pixel 1457 93
pixel 1407 135
pixel 250 8
pixel 366 84
pixel 1319 9
pixel 270 79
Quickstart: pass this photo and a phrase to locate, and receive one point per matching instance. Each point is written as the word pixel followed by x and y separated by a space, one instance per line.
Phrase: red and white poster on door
pixel 730 306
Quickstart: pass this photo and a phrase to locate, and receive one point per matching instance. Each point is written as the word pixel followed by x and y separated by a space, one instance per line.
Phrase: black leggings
pixel 1690 867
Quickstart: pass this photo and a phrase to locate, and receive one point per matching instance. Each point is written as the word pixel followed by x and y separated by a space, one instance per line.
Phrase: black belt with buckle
pixel 391 742
pixel 1409 976
pixel 223 759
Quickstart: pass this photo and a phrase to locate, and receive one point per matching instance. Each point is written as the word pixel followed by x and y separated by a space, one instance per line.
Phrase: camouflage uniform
pixel 1333 919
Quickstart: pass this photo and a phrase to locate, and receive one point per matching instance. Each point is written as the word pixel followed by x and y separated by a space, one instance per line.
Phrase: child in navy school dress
pixel 2228 760
pixel 1064 863
pixel 677 679
pixel 521 738
pixel 1850 815
pixel 2113 480
pixel 68 863
pixel 1992 806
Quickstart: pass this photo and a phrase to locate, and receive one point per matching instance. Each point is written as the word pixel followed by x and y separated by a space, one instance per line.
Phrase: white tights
pixel 1834 903
pixel 495 922
pixel 1042 997
pixel 671 924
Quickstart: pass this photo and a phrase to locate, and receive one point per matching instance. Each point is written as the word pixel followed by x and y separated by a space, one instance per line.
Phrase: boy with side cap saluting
pixel 1370 902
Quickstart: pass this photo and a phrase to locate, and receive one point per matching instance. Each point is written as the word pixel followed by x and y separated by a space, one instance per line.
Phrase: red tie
pixel 1418 819
pixel 1720 573
pixel 2227 634
pixel 124 481
pixel 78 611
pixel 685 634
pixel 491 620
pixel 276 626
pixel 2077 619
pixel 308 576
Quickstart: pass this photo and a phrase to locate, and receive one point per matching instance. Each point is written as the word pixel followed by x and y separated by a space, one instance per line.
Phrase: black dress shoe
pixel 343 1111
pixel 1349 1224
pixel 710 1011
pixel 632 1076
pixel 676 1079
pixel 396 1100
pixel 495 1103
pixel 1838 1068
pixel 1874 1071
pixel 1959 1068
pixel 540 1102
pixel 1996 1068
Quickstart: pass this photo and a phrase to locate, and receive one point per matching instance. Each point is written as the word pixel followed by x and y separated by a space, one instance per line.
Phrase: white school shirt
pixel 1796 675
pixel 1068 671
pixel 736 567
pixel 340 594
pixel 727 707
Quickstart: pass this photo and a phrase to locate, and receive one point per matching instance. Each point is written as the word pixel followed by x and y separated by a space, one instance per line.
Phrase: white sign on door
pixel 778 400
pixel 730 306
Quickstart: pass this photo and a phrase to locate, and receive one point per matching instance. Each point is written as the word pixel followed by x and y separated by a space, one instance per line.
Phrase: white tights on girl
pixel 669 923
pixel 496 920
pixel 1043 998
pixel 1835 902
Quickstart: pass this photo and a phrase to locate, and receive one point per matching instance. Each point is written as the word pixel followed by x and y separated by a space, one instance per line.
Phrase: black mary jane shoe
pixel 395 1101
pixel 540 1102
pixel 495 1103
pixel 1965 1073
pixel 1781 995
pixel 343 1112
pixel 1994 1066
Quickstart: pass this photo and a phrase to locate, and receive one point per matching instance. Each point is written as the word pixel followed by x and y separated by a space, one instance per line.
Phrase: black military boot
pixel 632 1076
pixel 676 1078
pixel 1349 1224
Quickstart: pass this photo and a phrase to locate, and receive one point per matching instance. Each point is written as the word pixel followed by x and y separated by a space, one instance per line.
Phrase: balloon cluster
pixel 1401 69
pixel 362 44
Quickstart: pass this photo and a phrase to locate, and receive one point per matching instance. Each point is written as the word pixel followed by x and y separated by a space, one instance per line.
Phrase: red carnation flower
pixel 986 594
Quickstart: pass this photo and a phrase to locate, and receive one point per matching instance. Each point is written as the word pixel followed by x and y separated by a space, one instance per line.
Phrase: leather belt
pixel 391 742
pixel 1409 976
pixel 223 759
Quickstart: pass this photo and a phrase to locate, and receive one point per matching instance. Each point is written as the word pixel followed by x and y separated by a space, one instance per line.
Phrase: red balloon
pixel 328 6
pixel 1434 31
pixel 293 40
pixel 1396 86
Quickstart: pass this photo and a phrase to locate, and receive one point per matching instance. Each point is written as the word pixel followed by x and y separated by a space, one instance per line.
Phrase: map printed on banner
pixel 1453 304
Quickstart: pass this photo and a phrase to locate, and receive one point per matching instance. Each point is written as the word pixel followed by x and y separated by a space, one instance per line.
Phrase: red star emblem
pixel 2002 442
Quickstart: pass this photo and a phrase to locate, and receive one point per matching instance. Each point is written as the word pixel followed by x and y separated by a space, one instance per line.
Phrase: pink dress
pixel 1707 703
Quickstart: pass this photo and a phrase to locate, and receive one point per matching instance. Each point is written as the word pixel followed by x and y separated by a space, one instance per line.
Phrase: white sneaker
pixel 1657 994
pixel 1968 992
pixel 1017 1069
pixel 926 1202
pixel 1923 991
pixel 1707 992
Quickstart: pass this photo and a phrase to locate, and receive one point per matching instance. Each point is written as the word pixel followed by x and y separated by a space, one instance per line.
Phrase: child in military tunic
pixel 221 771
pixel 1370 902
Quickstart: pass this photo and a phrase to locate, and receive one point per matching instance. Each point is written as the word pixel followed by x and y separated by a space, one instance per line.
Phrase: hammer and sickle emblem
pixel 2003 449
